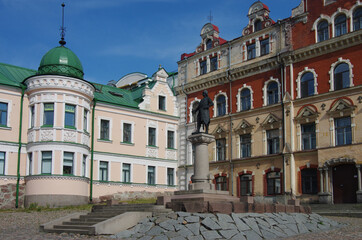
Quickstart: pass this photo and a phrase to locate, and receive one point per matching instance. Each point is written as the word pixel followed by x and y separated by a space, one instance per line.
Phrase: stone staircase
pixel 104 219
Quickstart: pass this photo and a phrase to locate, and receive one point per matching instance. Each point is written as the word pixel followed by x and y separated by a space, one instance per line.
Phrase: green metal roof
pixel 61 61
pixel 11 75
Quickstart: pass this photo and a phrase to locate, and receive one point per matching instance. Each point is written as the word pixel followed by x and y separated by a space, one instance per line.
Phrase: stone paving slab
pixel 249 226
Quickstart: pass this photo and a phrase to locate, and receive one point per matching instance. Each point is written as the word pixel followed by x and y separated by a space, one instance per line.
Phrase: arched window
pixel 341 76
pixel 357 19
pixel 246 185
pixel 208 44
pixel 309 181
pixel 272 93
pixel 257 25
pixel 340 25
pixel 245 100
pixel 221 105
pixel 221 183
pixel 194 113
pixel 307 85
pixel 273 182
pixel 322 29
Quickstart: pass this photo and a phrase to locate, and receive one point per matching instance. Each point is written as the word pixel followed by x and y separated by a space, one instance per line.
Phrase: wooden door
pixel 345 183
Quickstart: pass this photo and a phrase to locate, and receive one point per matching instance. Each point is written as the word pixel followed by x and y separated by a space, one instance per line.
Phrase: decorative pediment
pixel 307 113
pixel 271 121
pixel 220 131
pixel 341 107
pixel 244 127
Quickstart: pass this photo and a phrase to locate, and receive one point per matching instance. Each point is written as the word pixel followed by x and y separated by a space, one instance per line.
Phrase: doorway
pixel 345 183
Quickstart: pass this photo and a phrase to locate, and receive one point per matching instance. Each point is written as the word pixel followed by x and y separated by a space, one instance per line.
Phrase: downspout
pixel 92 153
pixel 230 123
pixel 20 145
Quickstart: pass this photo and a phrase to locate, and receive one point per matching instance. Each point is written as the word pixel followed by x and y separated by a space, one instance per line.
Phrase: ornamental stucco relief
pixel 171 154
pixel 46 135
pixel 69 136
pixel 152 152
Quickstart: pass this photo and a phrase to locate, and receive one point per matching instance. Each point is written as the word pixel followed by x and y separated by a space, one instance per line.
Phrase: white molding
pixel 238 97
pixel 226 103
pixel 265 90
pixel 299 78
pixel 331 72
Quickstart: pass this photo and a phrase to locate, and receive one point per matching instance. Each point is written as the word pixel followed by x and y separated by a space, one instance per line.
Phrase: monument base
pixel 201 185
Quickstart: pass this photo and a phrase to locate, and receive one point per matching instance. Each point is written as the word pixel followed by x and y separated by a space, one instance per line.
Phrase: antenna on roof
pixel 62 28
pixel 210 17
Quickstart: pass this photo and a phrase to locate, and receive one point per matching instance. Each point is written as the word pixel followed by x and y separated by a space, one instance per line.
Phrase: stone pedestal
pixel 325 198
pixel 201 179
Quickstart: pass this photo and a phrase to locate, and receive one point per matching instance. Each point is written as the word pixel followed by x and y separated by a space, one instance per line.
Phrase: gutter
pixel 19 142
pixel 92 153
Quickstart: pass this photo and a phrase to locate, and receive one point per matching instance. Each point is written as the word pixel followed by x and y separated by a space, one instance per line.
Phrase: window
pixel 221 149
pixel 245 99
pixel 257 25
pixel 170 176
pixel 151 175
pixel 322 31
pixel 357 19
pixel 246 185
pixel 343 131
pixel 208 44
pixel 341 76
pixel 69 121
pixel 307 85
pixel 251 51
pixel 127 133
pixel 264 47
pixel 195 105
pixel 213 64
pixel 273 93
pixel 2 163
pixel 340 25
pixel 85 120
pixel 273 183
pixel 272 141
pixel 171 139
pixel 245 145
pixel 32 116
pixel 126 173
pixel 221 105
pixel 30 157
pixel 221 183
pixel 68 163
pixel 103 171
pixel 48 114
pixel 308 136
pixel 84 166
pixel 309 181
pixel 162 103
pixel 3 114
pixel 46 162
pixel 151 136
pixel 203 67
pixel 104 129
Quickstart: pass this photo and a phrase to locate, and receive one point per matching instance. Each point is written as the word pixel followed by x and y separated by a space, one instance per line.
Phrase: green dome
pixel 61 61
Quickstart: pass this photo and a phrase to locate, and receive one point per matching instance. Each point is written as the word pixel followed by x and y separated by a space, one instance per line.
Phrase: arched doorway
pixel 345 183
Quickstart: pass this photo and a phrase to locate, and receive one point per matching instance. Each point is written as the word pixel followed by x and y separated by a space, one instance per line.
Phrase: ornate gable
pixel 220 132
pixel 258 12
pixel 307 114
pixel 244 127
pixel 271 122
pixel 341 107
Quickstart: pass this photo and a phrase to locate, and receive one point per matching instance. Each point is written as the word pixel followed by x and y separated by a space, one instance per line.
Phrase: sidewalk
pixel 342 210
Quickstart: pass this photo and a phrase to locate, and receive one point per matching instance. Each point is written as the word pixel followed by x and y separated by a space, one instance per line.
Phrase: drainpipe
pixel 230 123
pixel 92 153
pixel 19 143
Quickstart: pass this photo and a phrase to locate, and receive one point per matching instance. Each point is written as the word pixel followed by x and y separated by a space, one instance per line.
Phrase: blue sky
pixel 115 37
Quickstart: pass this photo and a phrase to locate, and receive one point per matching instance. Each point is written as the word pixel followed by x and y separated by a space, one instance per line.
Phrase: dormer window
pixel 208 44
pixel 162 103
pixel 257 25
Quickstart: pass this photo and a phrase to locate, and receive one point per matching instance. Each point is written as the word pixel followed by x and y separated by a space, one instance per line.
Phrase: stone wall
pixel 8 195
pixel 132 195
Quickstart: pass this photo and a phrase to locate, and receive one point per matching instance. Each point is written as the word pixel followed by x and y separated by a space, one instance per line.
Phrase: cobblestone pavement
pixel 25 226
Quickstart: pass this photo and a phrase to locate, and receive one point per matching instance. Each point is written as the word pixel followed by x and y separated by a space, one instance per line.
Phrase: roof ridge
pixel 10 65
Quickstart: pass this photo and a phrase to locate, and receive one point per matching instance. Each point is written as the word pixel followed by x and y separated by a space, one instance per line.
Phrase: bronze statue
pixel 203 115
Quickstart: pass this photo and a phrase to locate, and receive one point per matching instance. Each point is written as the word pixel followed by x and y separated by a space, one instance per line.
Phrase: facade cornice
pixel 56 177
pixel 328 46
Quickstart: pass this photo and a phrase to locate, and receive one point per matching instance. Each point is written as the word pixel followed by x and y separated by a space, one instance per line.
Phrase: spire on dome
pixel 62 42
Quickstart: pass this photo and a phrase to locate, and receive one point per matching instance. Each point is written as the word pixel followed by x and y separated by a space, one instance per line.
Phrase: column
pixel 326 180
pixel 359 177
pixel 321 180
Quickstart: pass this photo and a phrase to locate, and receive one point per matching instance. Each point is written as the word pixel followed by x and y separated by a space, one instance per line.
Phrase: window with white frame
pixel 203 67
pixel 84 165
pixel 69 116
pixel 341 76
pixel 343 131
pixel 213 64
pixel 323 31
pixel 170 176
pixel 273 145
pixel 127 133
pixel 2 163
pixel 151 175
pixel 245 145
pixel 357 19
pixel 307 85
pixel 152 136
pixel 171 139
pixel 246 184
pixel 245 99
pixel 273 93
pixel 48 117
pixel 126 173
pixel 104 129
pixel 85 120
pixel 251 50
pixel 257 25
pixel 162 103
pixel 221 149
pixel 32 116
pixel 340 25
pixel 46 162
pixel 30 162
pixel 3 114
pixel 308 136
pixel 221 105
pixel 68 161
pixel 264 47
pixel 103 171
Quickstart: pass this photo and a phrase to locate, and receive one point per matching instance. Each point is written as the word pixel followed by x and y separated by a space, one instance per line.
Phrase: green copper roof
pixel 61 61
pixel 13 75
